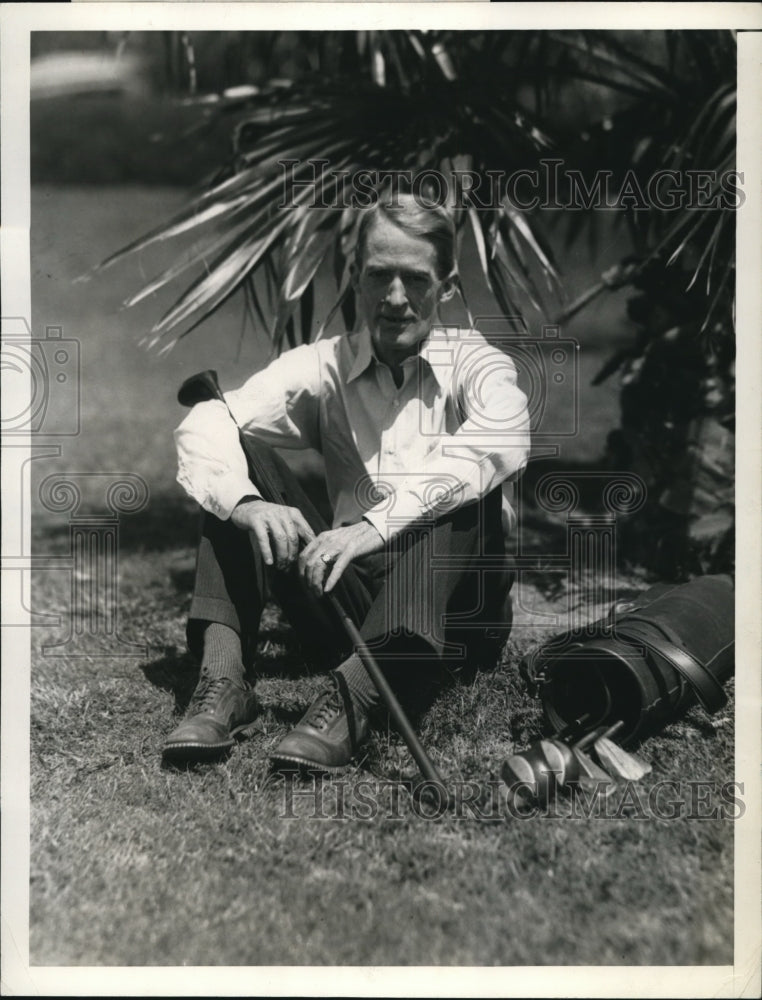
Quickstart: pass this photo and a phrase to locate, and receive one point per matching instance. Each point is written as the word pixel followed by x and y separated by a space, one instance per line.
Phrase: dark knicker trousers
pixel 436 597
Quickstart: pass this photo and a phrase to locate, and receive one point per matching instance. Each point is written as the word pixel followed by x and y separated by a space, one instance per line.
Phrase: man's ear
pixel 449 287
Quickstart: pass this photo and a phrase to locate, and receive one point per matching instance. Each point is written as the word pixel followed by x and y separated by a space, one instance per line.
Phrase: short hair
pixel 405 211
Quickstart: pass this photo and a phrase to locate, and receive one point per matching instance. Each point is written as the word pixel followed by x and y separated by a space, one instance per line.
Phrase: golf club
pixel 551 764
pixel 205 386
pixel 401 721
pixel 572 727
pixel 623 765
pixel 592 777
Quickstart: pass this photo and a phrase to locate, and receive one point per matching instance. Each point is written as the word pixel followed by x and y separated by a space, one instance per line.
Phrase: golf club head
pixel 619 762
pixel 540 770
pixel 199 388
pixel 592 778
pixel 561 760
pixel 517 770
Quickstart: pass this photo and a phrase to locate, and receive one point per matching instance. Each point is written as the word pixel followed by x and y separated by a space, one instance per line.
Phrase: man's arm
pixel 277 405
pixel 211 465
pixel 490 446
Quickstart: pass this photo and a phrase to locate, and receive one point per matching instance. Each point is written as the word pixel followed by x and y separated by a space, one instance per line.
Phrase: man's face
pixel 398 290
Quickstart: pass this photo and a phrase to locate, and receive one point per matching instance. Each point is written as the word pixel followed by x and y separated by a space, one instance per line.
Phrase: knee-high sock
pixel 222 653
pixel 361 687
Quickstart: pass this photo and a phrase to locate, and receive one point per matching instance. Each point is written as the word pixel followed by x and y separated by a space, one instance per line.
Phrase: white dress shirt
pixel 456 428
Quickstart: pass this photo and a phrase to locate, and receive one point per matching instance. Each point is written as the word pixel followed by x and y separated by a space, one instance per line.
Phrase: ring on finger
pixel 327 558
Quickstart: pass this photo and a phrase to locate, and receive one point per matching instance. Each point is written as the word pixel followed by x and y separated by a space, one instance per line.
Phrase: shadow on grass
pixel 169 522
pixel 176 673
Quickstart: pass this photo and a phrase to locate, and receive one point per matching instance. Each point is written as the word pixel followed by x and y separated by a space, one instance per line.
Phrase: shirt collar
pixel 365 354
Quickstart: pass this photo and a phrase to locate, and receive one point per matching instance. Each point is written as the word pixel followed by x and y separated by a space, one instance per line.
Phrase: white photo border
pixel 741 979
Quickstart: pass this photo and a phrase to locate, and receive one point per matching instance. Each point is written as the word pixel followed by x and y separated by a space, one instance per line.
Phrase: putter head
pixel 199 388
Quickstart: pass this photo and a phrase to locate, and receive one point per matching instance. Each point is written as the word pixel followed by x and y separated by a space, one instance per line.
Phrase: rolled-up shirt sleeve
pixel 490 446
pixel 278 406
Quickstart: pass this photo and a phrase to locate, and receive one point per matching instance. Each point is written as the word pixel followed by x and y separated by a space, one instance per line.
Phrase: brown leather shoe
pixel 219 710
pixel 327 736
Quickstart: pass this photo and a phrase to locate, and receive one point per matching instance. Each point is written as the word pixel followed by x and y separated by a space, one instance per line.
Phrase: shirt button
pixel 396 404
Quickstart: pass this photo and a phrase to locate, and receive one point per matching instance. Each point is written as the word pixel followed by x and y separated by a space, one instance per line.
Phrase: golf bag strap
pixel 708 689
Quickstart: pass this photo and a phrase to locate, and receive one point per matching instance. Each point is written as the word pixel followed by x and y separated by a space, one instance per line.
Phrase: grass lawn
pixel 136 864
pixel 133 863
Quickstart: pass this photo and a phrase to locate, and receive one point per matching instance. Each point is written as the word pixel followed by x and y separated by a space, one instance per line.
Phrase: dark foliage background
pixel 230 106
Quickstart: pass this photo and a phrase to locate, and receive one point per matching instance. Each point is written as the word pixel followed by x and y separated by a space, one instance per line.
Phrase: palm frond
pixel 382 100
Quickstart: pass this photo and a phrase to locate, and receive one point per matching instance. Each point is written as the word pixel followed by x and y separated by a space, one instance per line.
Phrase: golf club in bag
pixel 645 663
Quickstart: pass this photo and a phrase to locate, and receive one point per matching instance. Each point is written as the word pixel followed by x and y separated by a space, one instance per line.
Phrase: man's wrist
pixel 249 498
pixel 366 520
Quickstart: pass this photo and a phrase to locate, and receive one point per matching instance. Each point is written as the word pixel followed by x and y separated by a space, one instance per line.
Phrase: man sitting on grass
pixel 421 427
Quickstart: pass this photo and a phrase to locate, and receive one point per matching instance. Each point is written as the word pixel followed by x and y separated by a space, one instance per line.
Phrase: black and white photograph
pixel 380 441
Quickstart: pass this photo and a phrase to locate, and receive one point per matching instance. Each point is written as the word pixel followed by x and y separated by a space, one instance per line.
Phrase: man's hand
pixel 332 551
pixel 279 530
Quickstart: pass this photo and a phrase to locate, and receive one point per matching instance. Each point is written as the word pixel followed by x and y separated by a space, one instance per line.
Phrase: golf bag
pixel 645 663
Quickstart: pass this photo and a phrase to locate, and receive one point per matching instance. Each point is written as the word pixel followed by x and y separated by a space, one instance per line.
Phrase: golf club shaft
pixel 571 726
pixel 414 745
pixel 597 734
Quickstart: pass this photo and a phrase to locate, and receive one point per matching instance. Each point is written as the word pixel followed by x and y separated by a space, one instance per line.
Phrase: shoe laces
pixel 206 694
pixel 326 709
